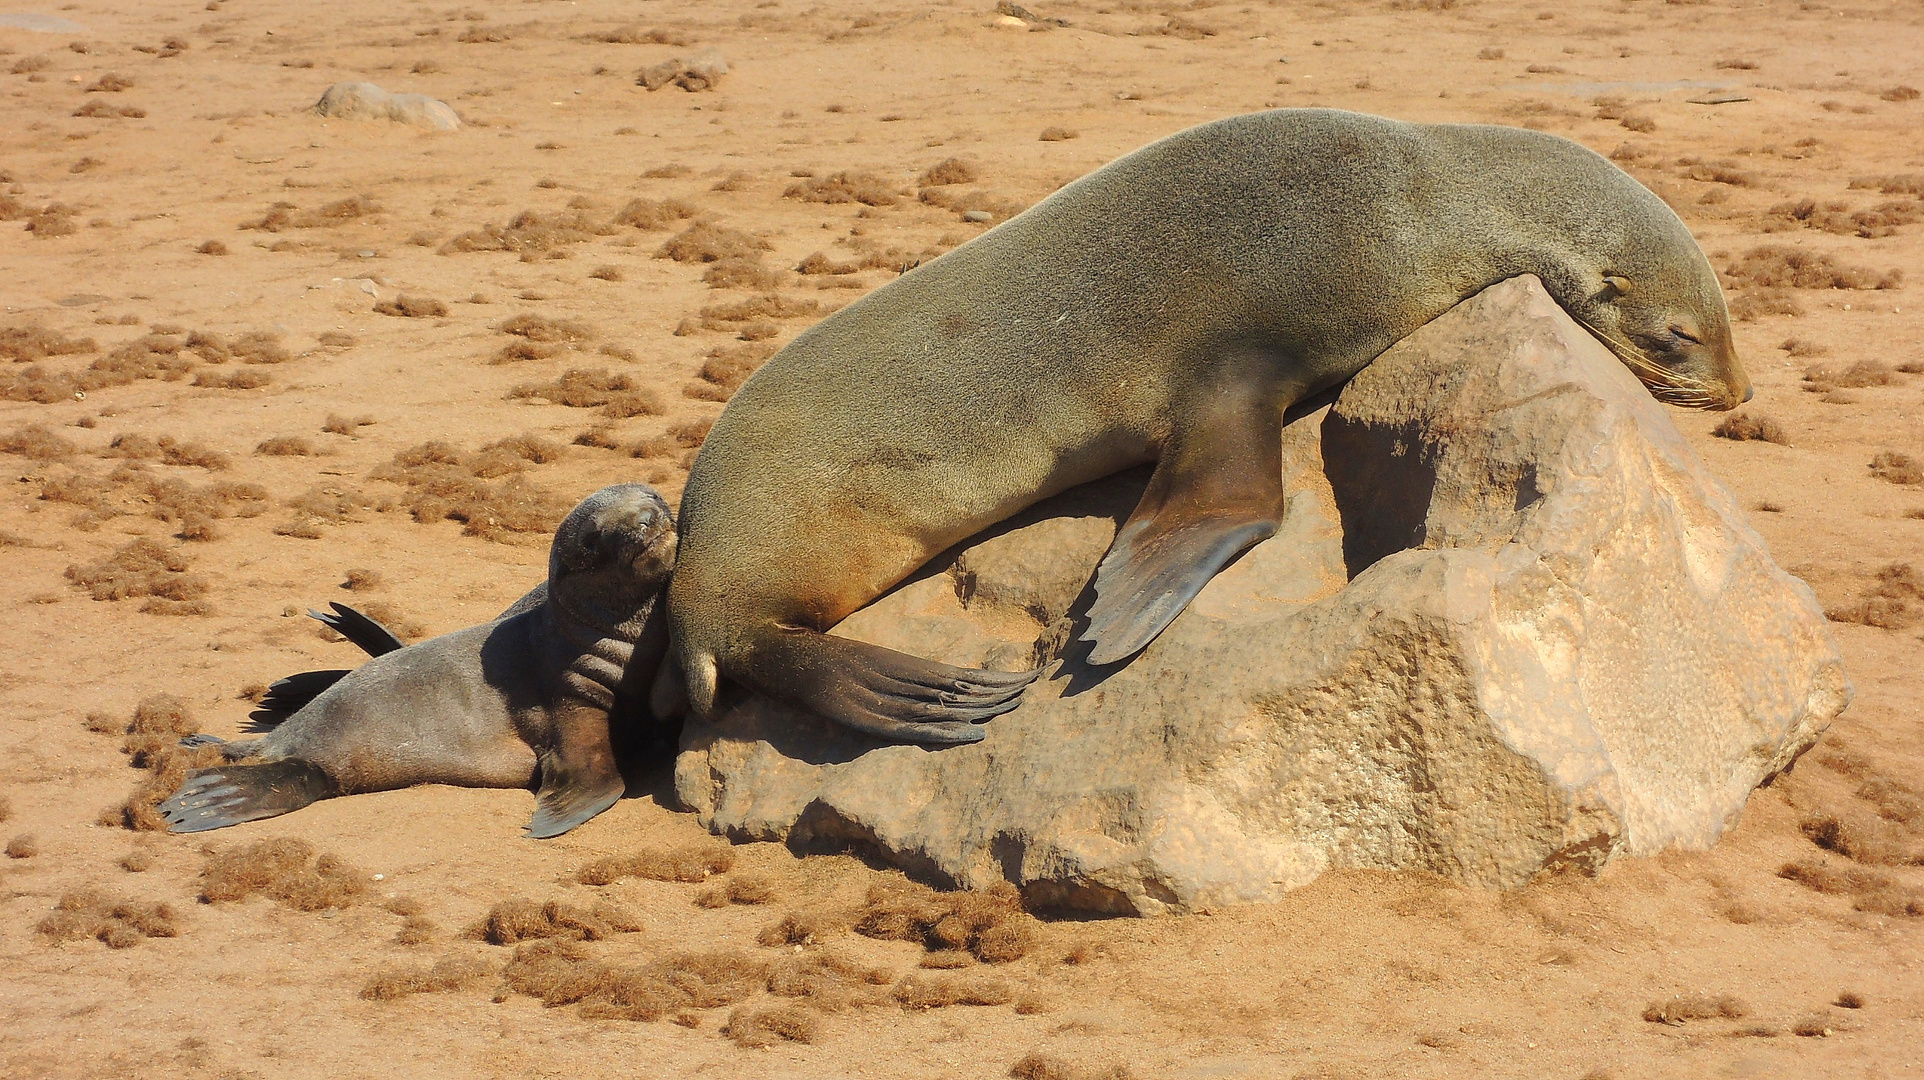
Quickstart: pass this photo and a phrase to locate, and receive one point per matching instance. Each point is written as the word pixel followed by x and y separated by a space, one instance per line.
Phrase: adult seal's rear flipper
pixel 1217 491
pixel 231 794
pixel 884 693
pixel 579 776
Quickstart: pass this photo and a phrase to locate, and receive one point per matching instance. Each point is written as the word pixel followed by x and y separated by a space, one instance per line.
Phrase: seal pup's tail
pixel 231 794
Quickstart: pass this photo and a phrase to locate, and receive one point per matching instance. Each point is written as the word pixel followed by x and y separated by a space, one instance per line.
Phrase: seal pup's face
pixel 621 538
pixel 1665 319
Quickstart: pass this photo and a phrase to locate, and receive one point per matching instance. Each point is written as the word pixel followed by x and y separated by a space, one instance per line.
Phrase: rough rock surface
pixel 1510 623
pixel 366 101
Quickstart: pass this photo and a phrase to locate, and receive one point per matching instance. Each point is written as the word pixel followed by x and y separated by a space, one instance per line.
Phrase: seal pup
pixel 1167 307
pixel 521 701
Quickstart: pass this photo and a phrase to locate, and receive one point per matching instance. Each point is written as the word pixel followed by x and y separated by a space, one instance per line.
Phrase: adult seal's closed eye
pixel 1168 307
pixel 524 700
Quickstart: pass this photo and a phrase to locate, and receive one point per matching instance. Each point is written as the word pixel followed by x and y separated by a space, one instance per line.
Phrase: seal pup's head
pixel 1664 317
pixel 617 547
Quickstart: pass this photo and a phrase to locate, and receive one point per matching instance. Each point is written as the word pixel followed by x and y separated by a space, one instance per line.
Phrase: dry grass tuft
pixel 1898 184
pixel 708 242
pixel 442 483
pixel 728 367
pixel 685 435
pixel 513 921
pixel 286 870
pixel 757 1028
pixel 23 846
pixel 138 861
pixel 616 395
pixel 688 863
pixel 152 742
pixel 117 923
pixel 412 307
pixel 648 214
pixel 1777 266
pixel 285 215
pixel 562 973
pixel 37 442
pixel 949 171
pixel 844 187
pixel 285 446
pixel 738 889
pixel 635 35
pixel 336 424
pixel 1753 304
pixel 740 273
pixel 1676 1010
pixel 1057 134
pixel 1746 428
pixel 451 972
pixel 1822 380
pixel 26 344
pixel 977 206
pixel 211 247
pixel 1889 465
pixel 989 924
pixel 1036 1065
pixel 1894 600
pixel 1849 1000
pixel 756 309
pixel 919 992
pixel 532 234
pixel 359 579
pixel 805 928
pixel 1881 220
pixel 143 568
pixel 1862 839
pixel 103 110
pixel 1868 890
pixel 169 450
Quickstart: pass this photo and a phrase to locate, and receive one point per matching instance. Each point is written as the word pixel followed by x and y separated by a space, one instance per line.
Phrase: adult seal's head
pixel 1622 263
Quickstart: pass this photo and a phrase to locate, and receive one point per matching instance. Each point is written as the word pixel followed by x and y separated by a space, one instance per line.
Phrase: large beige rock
pixel 1510 623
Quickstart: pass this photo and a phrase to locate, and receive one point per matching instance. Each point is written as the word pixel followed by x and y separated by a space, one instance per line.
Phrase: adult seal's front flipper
pixel 1217 491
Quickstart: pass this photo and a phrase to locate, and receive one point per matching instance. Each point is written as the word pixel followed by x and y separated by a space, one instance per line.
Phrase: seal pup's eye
pixel 1681 334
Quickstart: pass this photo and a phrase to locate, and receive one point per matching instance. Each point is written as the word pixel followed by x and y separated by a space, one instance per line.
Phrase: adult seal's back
pixel 1168 307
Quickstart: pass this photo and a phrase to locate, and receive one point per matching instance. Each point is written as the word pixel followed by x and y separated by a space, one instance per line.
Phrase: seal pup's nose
pixel 1749 392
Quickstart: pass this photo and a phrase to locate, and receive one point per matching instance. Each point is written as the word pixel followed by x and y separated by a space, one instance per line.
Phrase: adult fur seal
pixel 1168 307
pixel 522 700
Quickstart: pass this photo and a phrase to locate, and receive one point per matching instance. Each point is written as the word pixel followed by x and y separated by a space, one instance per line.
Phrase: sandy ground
pixel 1362 974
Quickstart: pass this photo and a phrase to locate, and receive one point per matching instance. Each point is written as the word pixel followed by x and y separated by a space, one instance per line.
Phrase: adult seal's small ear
pixel 523 701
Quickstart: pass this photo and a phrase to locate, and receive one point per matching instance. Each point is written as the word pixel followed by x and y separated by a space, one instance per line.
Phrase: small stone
pixel 977 216
pixel 366 101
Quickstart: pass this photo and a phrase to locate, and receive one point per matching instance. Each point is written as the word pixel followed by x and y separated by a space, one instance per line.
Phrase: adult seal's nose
pixel 1749 392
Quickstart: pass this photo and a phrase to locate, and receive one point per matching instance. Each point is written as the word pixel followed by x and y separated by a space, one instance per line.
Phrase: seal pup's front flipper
pixel 579 776
pixel 884 693
pixel 1216 492
pixel 231 794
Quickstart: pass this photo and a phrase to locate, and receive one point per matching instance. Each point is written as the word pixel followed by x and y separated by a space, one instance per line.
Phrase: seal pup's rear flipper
pixel 884 693
pixel 373 638
pixel 1217 492
pixel 231 794
pixel 285 697
pixel 579 777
